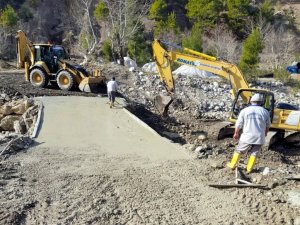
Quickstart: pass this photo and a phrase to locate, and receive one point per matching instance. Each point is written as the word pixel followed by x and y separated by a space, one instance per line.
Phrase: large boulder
pixel 7 123
pixel 130 63
pixel 5 110
pixel 150 68
pixel 29 117
pixel 20 107
pixel 20 126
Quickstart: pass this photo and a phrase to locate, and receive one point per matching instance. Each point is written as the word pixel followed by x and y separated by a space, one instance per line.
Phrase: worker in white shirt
pixel 255 122
pixel 112 88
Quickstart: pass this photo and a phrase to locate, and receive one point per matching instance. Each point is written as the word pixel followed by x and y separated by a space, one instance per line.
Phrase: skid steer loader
pixel 44 63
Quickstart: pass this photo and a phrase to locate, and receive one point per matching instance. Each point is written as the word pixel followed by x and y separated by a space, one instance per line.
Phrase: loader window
pixel 59 52
pixel 37 52
pixel 46 55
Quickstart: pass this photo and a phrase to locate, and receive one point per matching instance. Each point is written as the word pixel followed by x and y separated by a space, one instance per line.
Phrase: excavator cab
pixel 239 103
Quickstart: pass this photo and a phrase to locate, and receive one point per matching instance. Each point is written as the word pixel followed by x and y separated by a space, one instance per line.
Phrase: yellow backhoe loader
pixel 44 63
pixel 284 117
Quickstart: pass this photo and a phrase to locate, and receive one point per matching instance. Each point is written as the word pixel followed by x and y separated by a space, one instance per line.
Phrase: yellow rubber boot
pixel 234 161
pixel 251 163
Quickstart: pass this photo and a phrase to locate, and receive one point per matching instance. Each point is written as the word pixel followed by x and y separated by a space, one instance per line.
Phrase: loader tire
pixel 38 78
pixel 65 80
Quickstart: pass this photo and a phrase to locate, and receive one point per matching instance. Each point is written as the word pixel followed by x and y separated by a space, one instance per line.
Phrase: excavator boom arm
pixel 199 60
pixel 25 51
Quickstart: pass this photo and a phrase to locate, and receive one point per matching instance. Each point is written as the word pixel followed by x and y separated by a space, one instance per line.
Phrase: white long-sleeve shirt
pixel 112 86
pixel 253 120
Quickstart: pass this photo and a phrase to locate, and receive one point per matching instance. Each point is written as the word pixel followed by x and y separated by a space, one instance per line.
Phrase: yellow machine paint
pixel 163 59
pixel 30 57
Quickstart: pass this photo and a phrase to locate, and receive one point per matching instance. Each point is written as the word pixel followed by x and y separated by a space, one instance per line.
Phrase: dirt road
pixel 94 165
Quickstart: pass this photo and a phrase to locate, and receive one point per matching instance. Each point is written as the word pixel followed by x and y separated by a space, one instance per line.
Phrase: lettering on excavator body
pixel 186 62
pixel 197 63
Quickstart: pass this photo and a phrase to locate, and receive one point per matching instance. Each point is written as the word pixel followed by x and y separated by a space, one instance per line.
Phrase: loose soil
pixel 33 190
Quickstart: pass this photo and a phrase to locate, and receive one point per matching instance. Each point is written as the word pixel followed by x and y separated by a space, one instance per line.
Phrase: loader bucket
pixel 91 84
pixel 162 104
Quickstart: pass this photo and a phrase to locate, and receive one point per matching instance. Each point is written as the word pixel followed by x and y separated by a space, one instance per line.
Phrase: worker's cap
pixel 257 98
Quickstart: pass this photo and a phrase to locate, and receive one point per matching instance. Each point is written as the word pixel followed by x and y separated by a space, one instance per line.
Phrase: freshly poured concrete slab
pixel 84 123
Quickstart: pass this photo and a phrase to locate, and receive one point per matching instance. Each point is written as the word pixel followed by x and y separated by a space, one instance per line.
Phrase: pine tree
pixel 237 12
pixel 266 10
pixel 8 17
pixel 158 10
pixel 252 46
pixel 194 40
pixel 101 11
pixel 165 22
pixel 205 12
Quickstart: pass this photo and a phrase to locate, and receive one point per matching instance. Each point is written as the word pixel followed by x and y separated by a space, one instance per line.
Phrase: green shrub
pixel 204 11
pixel 194 40
pixel 282 75
pixel 101 11
pixel 252 47
pixel 8 17
pixel 106 51
pixel 238 16
pixel 139 49
pixel 158 10
pixel 83 41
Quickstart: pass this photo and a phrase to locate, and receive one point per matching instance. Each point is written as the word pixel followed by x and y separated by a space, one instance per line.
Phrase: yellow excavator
pixel 44 63
pixel 284 117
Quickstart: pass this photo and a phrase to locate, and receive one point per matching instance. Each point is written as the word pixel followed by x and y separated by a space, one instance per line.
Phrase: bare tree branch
pixel 125 19
pixel 87 4
pixel 279 48
pixel 225 44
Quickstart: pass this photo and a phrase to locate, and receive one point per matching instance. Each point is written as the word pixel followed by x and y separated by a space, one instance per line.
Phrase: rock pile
pixel 17 120
pixel 18 115
pixel 202 98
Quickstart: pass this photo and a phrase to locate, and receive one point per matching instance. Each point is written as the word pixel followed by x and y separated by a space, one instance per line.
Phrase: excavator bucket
pixel 162 104
pixel 91 84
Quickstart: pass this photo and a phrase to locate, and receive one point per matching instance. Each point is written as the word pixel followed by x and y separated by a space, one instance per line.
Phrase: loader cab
pixel 239 103
pixel 49 54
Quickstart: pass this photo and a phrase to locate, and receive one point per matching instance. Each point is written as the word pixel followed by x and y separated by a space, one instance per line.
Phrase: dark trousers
pixel 112 96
